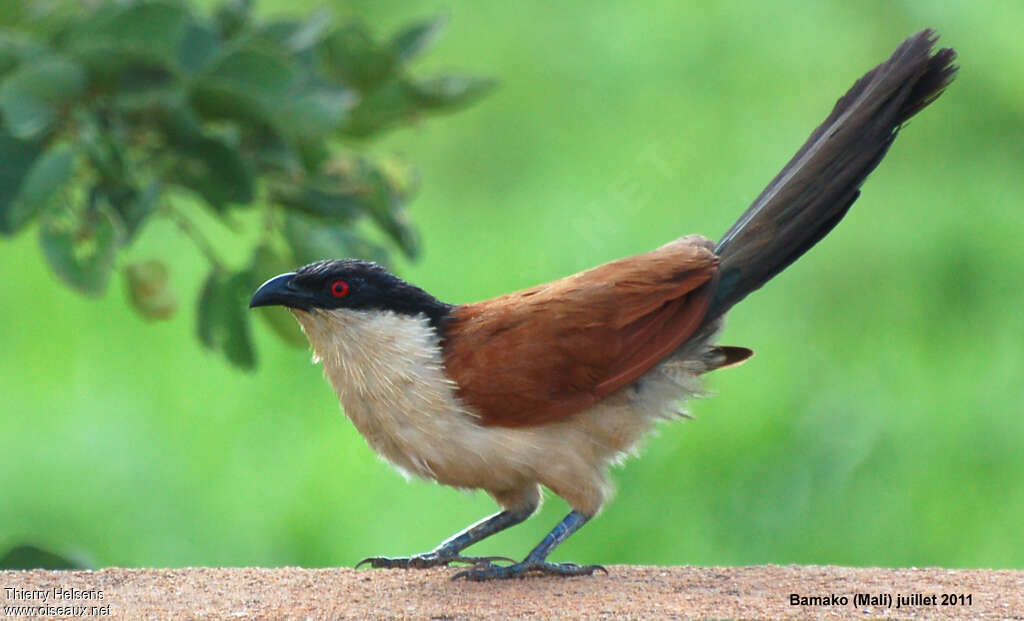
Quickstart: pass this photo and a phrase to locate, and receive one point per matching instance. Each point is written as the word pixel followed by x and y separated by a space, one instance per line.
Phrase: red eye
pixel 339 288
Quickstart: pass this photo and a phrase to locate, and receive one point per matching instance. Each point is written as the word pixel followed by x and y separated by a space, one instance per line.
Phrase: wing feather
pixel 541 354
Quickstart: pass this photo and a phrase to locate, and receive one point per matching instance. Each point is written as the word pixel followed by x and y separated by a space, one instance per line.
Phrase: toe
pixel 521 570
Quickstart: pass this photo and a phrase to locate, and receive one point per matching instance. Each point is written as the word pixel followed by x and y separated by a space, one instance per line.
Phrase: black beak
pixel 280 291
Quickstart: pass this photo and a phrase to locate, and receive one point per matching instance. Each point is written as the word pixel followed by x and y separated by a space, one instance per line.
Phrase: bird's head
pixel 349 284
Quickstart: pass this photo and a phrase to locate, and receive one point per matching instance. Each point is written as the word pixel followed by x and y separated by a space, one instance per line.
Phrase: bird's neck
pixel 387 370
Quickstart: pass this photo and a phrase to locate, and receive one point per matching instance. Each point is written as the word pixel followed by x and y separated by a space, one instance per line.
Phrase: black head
pixel 349 283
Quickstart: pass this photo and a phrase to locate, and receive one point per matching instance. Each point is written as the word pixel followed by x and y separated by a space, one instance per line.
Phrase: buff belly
pixel 407 410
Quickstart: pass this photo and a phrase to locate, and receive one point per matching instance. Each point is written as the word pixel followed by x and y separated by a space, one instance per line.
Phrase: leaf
pixel 47 176
pixel 299 36
pixel 272 153
pixel 233 15
pixel 450 91
pixel 204 163
pixel 25 557
pixel 265 265
pixel 314 113
pixel 199 46
pixel 347 189
pixel 179 123
pixel 321 197
pixel 221 318
pixel 46 19
pixel 17 156
pixel 312 153
pixel 391 104
pixel 104 152
pixel 134 205
pixel 385 205
pixel 12 13
pixel 209 311
pixel 118 35
pixel 148 290
pixel 256 72
pixel 415 39
pixel 142 88
pixel 246 84
pixel 32 96
pixel 238 345
pixel 15 50
pixel 352 56
pixel 312 240
pixel 215 171
pixel 404 101
pixel 81 248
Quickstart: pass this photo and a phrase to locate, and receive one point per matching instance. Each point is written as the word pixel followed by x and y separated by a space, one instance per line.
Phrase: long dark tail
pixel 816 188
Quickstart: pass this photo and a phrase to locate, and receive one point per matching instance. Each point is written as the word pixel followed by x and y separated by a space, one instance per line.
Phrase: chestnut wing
pixel 541 354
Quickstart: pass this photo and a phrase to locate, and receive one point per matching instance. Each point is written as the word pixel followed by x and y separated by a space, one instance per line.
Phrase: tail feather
pixel 817 187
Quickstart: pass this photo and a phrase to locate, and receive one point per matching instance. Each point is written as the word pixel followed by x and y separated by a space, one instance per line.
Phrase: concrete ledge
pixel 630 592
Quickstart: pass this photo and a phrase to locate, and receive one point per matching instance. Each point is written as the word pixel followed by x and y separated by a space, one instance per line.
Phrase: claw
pixel 521 570
pixel 430 559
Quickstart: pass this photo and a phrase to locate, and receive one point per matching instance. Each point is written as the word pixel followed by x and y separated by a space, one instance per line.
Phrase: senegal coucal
pixel 550 385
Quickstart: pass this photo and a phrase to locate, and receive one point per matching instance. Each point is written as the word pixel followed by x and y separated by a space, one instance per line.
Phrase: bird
pixel 551 385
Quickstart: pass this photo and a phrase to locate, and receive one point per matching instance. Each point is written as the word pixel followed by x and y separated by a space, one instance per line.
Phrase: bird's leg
pixel 449 549
pixel 536 561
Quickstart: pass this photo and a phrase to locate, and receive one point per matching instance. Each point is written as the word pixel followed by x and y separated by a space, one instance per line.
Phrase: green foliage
pixel 33 95
pixel 224 324
pixel 81 248
pixel 116 114
pixel 24 557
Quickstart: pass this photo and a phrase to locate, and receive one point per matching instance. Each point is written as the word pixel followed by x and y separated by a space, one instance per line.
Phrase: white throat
pixel 387 370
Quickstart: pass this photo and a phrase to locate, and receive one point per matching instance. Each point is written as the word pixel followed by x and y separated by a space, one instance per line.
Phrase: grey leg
pixel 536 560
pixel 449 549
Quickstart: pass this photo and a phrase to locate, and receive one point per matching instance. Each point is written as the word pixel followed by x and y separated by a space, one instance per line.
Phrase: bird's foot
pixel 430 559
pixel 520 570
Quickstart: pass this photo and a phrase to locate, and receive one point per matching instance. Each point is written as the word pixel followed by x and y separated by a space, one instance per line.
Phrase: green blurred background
pixel 880 423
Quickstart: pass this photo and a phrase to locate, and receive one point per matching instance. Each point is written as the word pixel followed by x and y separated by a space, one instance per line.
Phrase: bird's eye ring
pixel 339 288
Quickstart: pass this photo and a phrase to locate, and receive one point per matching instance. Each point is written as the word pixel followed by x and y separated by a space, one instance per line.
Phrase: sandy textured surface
pixel 628 592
